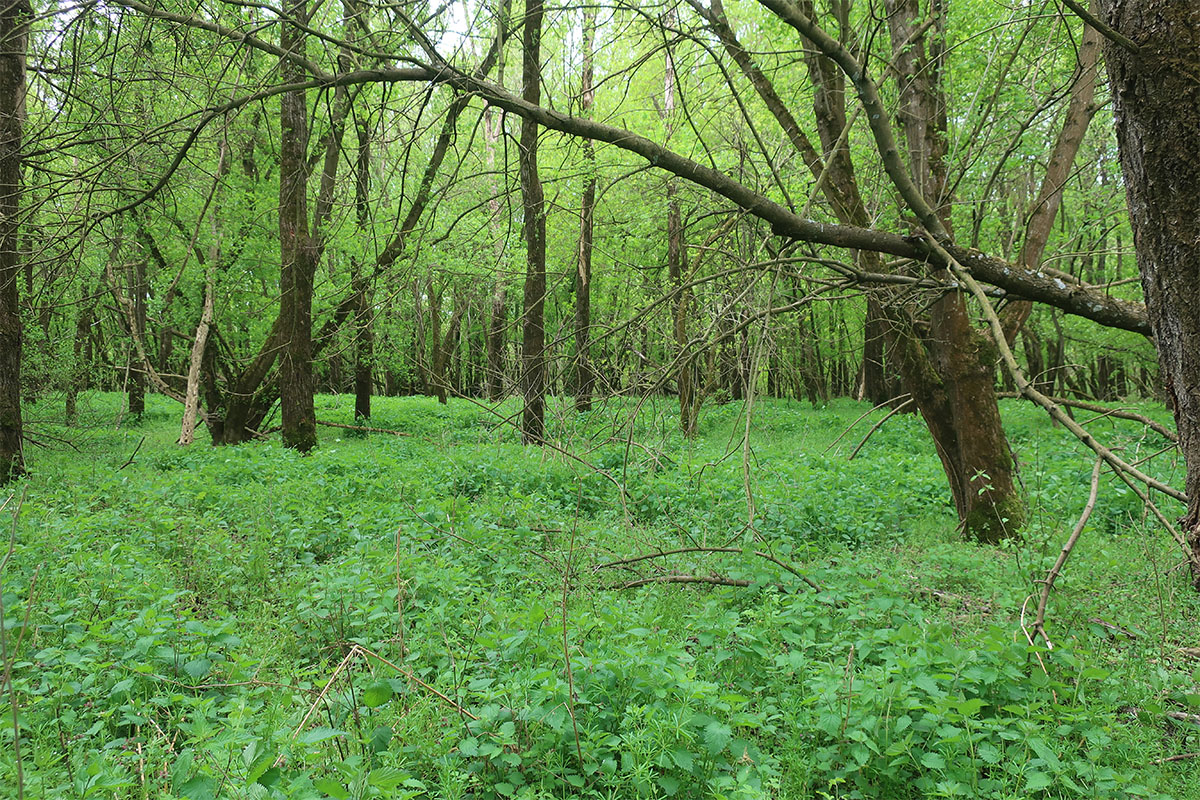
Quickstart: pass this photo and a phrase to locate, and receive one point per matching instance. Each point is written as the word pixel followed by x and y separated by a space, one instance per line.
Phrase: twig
pixel 879 425
pixel 662 553
pixel 131 455
pixel 365 429
pixel 400 596
pixel 1033 645
pixel 328 685
pixel 715 580
pixel 408 673
pixel 567 650
pixel 1039 623
pixel 1120 467
pixel 1180 757
pixel 1119 413
pixel 861 417
pixel 12 689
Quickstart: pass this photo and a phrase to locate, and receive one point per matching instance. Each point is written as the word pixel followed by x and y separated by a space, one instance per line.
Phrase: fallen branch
pixel 715 580
pixel 1180 757
pixel 364 429
pixel 663 553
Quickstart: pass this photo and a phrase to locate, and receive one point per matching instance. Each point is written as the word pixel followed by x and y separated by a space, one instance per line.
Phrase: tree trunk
pixel 137 376
pixel 364 337
pixel 297 249
pixel 533 347
pixel 14 32
pixel 584 378
pixel 1156 96
pixel 950 372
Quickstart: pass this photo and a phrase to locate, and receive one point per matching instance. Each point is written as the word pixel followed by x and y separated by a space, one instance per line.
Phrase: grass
pixel 387 617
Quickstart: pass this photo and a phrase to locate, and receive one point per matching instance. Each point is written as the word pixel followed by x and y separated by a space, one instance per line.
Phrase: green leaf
pixel 669 785
pixel 933 761
pixel 201 787
pixel 381 737
pixel 377 694
pixel 717 736
pixel 332 788
pixel 1036 781
pixel 197 668
pixel 318 735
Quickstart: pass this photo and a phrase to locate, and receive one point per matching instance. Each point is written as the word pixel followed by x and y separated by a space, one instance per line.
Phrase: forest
pixel 641 398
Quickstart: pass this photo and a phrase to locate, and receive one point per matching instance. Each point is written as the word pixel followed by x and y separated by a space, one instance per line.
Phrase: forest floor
pixel 447 614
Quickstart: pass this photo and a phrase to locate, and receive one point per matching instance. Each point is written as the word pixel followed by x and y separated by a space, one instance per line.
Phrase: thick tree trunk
pixel 1156 95
pixel 950 372
pixel 14 33
pixel 533 347
pixel 584 378
pixel 297 249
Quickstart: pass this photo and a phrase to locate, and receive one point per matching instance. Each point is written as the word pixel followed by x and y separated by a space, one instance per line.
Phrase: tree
pixel 298 249
pixel 533 321
pixel 1152 53
pixel 14 33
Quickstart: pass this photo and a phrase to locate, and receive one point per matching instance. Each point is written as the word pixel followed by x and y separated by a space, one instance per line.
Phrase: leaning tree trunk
pixel 1156 96
pixel 14 32
pixel 297 249
pixel 950 372
pixel 533 349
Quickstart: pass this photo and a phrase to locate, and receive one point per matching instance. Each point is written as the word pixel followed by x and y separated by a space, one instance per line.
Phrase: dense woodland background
pixel 680 263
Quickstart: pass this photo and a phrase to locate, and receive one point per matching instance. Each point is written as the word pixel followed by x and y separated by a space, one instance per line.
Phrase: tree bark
pixel 136 274
pixel 364 335
pixel 533 345
pixel 14 33
pixel 584 378
pixel 297 249
pixel 1156 97
pixel 950 372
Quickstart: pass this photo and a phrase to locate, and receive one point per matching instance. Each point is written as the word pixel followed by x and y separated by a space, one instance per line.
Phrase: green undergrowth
pixel 446 614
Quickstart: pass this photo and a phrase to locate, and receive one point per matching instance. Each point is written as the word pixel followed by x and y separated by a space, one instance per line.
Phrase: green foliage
pixel 193 625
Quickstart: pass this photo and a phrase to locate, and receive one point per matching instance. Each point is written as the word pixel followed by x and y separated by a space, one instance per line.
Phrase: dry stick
pixel 1039 623
pixel 566 648
pixel 328 685
pixel 1180 757
pixel 12 689
pixel 1120 466
pixel 863 416
pixel 1125 471
pixel 783 565
pixel 408 673
pixel 715 580
pixel 399 595
pixel 879 425
pixel 1119 413
pixel 365 429
pixel 131 455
